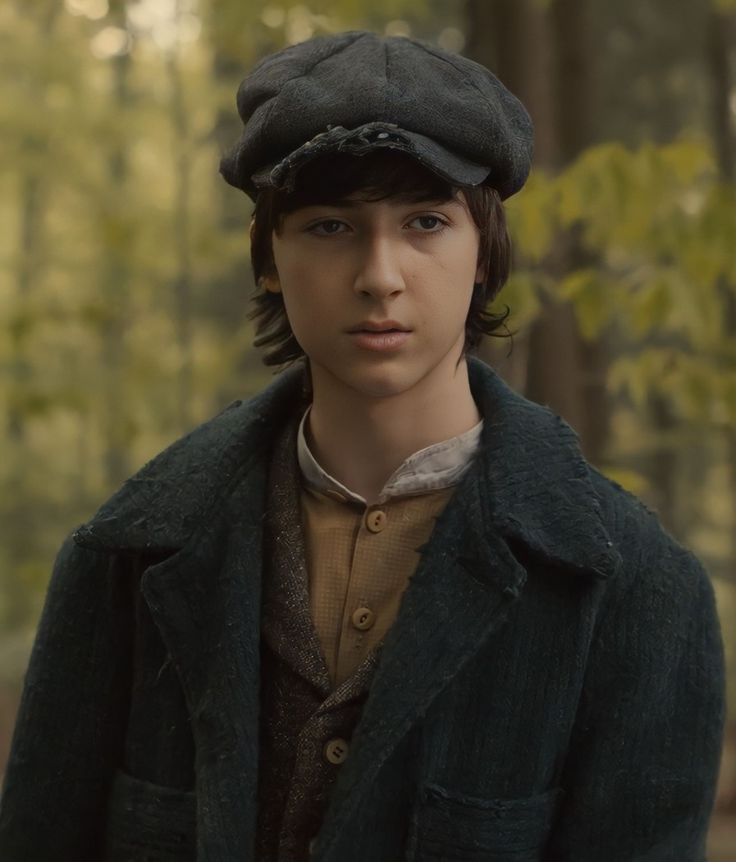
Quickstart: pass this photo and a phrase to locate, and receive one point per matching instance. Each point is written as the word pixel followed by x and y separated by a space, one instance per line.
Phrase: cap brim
pixel 368 138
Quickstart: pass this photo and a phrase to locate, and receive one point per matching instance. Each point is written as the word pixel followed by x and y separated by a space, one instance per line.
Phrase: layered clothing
pixel 551 690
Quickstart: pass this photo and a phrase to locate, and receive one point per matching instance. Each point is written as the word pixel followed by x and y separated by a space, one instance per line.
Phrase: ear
pixel 271 283
pixel 480 274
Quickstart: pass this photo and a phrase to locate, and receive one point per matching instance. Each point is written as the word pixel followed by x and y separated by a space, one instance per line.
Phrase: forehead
pixel 367 201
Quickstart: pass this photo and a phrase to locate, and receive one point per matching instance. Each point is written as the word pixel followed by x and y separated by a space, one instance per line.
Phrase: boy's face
pixel 342 265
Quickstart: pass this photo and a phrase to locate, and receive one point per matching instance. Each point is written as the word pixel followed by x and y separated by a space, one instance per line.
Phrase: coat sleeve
pixel 70 728
pixel 643 760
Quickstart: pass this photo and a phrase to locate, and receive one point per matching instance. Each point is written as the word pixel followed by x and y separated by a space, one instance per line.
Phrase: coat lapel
pixel 462 590
pixel 205 600
pixel 529 484
pixel 200 506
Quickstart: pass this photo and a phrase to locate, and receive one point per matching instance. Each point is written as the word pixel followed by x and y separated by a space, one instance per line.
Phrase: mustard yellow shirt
pixel 359 557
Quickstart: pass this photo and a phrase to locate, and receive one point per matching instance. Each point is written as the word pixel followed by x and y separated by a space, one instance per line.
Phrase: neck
pixel 361 441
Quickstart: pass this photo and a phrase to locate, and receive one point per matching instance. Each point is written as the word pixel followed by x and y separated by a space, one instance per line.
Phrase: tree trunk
pixel 565 371
pixel 502 34
pixel 559 368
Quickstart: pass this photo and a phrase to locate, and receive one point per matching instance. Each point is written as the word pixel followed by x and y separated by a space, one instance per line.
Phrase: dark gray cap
pixel 356 92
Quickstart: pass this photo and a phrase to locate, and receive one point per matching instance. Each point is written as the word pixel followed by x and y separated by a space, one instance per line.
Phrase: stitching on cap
pixel 449 62
pixel 466 80
pixel 303 74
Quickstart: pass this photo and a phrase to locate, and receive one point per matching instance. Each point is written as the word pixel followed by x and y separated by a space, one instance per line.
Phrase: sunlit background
pixel 125 277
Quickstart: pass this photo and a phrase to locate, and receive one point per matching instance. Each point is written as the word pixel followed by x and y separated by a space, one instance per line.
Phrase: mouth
pixel 390 326
pixel 388 340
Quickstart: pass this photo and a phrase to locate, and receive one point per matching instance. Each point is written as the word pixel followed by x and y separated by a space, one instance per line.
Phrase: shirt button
pixel 375 520
pixel 336 750
pixel 363 619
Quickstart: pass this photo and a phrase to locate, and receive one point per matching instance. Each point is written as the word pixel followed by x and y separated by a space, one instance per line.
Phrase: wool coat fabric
pixel 552 689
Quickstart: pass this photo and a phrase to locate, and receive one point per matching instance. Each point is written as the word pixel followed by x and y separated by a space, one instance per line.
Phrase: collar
pixel 533 483
pixel 437 466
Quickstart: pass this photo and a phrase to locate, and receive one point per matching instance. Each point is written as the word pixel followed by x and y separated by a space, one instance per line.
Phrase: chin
pixel 381 385
pixel 384 380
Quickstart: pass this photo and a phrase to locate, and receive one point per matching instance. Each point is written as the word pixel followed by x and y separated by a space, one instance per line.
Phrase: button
pixel 375 520
pixel 363 619
pixel 336 750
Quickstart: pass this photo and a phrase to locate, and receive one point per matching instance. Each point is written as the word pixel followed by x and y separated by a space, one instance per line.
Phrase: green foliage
pixel 661 227
pixel 591 294
pixel 521 293
pixel 533 216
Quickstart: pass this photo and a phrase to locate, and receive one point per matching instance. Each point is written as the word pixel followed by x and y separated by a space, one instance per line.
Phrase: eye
pixel 328 227
pixel 429 223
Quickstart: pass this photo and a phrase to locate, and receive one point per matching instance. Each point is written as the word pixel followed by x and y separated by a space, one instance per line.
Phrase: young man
pixel 385 610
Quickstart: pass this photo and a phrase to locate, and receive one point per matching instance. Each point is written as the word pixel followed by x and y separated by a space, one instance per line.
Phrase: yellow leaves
pixel 634 198
pixel 590 292
pixel 594 186
pixel 662 299
pixel 651 305
pixel 660 227
pixel 699 387
pixel 662 233
pixel 533 216
pixel 521 294
pixel 688 160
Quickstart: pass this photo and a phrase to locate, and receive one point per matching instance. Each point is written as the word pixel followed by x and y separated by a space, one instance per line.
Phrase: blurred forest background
pixel 125 276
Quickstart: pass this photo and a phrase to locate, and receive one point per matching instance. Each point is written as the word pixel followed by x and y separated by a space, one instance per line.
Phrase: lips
pixel 381 340
pixel 379 326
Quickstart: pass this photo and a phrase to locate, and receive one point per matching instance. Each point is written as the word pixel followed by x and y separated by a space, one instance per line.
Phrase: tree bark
pixel 502 34
pixel 560 369
pixel 565 371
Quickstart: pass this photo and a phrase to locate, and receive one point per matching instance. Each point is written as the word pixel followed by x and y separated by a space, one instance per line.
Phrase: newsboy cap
pixel 356 92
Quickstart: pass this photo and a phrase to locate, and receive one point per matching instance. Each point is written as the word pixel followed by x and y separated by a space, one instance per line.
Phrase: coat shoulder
pixel 161 505
pixel 648 550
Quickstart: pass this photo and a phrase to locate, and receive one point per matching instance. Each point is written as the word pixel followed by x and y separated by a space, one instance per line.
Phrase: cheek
pixel 304 300
pixel 453 295
pixel 459 256
pixel 300 274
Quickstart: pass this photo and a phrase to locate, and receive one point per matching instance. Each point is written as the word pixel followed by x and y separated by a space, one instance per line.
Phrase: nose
pixel 379 274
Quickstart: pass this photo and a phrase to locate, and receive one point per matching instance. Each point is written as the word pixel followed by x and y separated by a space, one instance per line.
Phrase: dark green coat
pixel 552 689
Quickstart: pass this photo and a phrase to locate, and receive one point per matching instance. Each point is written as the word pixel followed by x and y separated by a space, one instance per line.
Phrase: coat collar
pixel 161 505
pixel 536 483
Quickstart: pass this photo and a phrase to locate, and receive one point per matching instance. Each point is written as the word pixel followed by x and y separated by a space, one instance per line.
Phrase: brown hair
pixel 378 175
